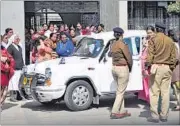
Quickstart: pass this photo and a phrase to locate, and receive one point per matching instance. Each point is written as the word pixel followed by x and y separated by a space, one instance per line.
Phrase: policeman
pixel 161 59
pixel 122 64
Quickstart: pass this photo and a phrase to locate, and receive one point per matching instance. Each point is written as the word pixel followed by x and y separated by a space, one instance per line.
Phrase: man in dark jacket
pixel 16 51
pixel 65 47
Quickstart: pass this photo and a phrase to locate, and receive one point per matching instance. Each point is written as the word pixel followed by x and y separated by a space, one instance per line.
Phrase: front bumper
pixel 39 90
pixel 43 94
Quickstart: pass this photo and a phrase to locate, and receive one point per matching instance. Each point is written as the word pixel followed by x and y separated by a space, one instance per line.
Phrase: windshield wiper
pixel 75 54
pixel 80 55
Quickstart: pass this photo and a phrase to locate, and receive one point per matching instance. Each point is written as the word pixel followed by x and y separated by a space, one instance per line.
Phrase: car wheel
pixel 79 95
pixel 49 103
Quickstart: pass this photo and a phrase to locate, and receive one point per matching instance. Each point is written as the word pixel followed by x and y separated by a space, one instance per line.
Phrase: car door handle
pixel 91 68
pixel 136 59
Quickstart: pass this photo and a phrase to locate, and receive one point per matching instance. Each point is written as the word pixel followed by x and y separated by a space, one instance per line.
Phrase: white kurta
pixel 14 81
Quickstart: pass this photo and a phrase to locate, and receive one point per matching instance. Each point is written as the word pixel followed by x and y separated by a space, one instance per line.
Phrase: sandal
pixel 120 116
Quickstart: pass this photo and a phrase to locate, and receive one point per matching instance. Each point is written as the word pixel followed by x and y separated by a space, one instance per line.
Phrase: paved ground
pixel 33 113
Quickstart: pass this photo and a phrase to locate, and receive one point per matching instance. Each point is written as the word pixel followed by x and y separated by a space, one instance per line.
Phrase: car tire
pixel 68 98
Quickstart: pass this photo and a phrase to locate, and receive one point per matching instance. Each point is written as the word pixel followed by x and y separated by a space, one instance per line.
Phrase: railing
pixel 142 23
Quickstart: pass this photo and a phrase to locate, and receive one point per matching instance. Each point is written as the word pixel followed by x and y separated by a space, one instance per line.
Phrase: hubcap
pixel 80 95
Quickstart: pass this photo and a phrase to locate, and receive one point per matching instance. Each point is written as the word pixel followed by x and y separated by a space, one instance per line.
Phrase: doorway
pixel 69 12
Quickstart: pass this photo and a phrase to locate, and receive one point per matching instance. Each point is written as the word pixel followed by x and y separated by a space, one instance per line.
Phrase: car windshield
pixel 89 47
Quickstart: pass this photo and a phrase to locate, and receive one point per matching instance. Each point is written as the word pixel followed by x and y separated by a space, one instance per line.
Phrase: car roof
pixel 106 36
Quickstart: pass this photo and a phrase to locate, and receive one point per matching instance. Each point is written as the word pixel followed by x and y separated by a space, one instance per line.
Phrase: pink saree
pixel 144 94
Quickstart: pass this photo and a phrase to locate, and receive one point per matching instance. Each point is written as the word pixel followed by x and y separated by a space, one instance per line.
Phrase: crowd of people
pixel 51 42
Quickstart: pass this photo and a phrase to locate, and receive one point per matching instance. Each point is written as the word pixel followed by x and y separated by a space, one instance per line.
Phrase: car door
pixel 104 74
pixel 135 78
pixel 108 85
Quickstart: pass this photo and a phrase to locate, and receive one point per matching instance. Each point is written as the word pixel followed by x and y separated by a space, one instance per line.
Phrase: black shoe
pixel 18 96
pixel 29 98
pixel 163 119
pixel 154 120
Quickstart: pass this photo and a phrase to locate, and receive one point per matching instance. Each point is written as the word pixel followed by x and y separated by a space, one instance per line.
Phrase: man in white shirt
pixel 16 51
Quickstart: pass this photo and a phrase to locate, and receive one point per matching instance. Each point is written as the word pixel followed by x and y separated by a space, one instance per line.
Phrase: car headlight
pixel 48 73
pixel 24 69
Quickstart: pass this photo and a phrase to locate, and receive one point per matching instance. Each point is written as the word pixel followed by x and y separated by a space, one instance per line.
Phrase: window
pixel 134 46
pixel 137 41
pixel 89 47
pixel 129 43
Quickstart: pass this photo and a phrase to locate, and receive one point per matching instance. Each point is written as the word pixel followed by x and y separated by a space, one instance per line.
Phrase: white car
pixel 83 77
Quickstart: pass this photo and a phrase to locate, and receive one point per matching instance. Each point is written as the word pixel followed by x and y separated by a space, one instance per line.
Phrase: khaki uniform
pixel 162 57
pixel 122 62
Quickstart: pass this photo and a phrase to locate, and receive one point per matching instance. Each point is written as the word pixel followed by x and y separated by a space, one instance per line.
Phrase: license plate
pixel 27 80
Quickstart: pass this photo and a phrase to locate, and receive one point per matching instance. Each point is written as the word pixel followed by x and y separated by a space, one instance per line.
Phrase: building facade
pixel 143 13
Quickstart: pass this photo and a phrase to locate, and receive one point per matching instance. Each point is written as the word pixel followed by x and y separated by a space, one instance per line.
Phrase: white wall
pixel 109 14
pixel 123 14
pixel 12 15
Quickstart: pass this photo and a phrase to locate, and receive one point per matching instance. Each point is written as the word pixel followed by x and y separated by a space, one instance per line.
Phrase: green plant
pixel 174 8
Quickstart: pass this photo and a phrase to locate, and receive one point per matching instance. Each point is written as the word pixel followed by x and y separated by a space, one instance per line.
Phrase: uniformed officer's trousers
pixel 160 85
pixel 121 76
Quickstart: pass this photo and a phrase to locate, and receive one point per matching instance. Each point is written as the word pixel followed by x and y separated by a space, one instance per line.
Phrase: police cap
pixel 118 30
pixel 160 25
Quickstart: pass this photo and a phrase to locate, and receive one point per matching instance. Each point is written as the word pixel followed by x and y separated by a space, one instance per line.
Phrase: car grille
pixel 39 79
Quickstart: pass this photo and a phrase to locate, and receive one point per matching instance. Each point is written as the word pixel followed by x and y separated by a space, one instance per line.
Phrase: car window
pixel 106 49
pixel 137 41
pixel 129 43
pixel 89 47
pixel 134 48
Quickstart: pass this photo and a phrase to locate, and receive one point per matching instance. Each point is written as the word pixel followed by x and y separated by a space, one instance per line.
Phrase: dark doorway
pixel 69 12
